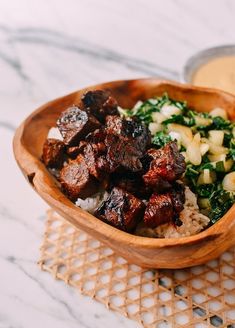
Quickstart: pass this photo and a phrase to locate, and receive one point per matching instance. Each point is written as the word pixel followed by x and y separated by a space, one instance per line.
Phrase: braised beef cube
pixel 113 124
pixel 76 180
pixel 173 160
pixel 133 183
pixel 103 170
pixel 73 152
pixel 129 129
pixel 53 154
pixel 167 165
pixel 154 153
pixel 146 160
pixel 100 104
pixel 121 210
pixel 74 124
pixel 178 197
pixel 96 136
pixel 159 210
pixel 110 107
pixel 156 182
pixel 137 131
pixel 165 208
pixel 95 155
pixel 119 144
pixel 126 141
pixel 97 139
pixel 95 99
pixel 122 154
pixel 96 162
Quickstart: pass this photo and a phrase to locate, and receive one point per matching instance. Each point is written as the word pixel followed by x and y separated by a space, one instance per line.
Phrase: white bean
pixel 185 156
pixel 158 117
pixel 217 150
pixel 206 177
pixel 203 202
pixel 184 131
pixel 217 158
pixel 228 165
pixel 229 181
pixel 169 110
pixel 154 127
pixel 204 148
pixel 216 137
pixel 202 121
pixel 219 112
pixel 193 150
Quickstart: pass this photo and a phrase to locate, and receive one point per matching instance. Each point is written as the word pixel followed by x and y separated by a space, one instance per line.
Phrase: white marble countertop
pixel 53 47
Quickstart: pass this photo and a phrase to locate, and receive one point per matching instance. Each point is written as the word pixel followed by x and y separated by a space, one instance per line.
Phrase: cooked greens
pixel 160 139
pixel 220 203
pixel 188 120
pixel 144 110
pixel 231 153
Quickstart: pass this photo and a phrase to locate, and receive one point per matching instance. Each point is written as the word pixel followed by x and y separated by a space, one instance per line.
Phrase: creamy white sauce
pixel 217 73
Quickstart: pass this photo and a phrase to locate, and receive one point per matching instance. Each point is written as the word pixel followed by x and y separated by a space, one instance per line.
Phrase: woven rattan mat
pixel 203 296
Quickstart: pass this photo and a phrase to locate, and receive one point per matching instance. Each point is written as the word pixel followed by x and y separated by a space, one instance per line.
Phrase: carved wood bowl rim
pixel 31 134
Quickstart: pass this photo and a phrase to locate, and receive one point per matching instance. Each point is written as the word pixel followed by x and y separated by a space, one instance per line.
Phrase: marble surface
pixel 53 47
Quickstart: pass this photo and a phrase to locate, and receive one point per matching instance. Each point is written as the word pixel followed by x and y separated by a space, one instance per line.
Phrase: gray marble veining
pixel 53 47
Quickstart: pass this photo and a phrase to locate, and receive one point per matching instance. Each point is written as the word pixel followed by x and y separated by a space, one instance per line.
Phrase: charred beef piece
pixel 97 139
pixel 96 162
pixel 53 154
pixel 121 210
pixel 133 183
pixel 129 129
pixel 95 156
pixel 164 208
pixel 136 132
pixel 74 151
pixel 113 124
pixel 167 166
pixel 100 104
pixel 126 142
pixel 146 161
pixel 117 147
pixel 76 180
pixel 159 210
pixel 178 197
pixel 74 124
pixel 122 155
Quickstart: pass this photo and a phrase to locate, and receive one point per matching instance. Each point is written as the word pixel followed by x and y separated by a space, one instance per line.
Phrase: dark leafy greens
pixel 232 150
pixel 188 120
pixel 220 123
pixel 220 203
pixel 160 139
pixel 145 110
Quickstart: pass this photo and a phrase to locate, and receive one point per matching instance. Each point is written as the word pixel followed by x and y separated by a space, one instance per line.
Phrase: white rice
pixel 90 204
pixel 54 133
pixel 192 221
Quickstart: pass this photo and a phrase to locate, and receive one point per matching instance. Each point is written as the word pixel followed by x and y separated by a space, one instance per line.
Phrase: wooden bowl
pixel 146 252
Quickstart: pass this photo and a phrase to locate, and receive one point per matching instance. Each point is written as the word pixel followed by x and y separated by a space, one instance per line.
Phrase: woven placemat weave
pixel 202 296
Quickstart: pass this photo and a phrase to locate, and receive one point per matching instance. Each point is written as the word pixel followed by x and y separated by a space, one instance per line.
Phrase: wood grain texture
pixel 146 252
